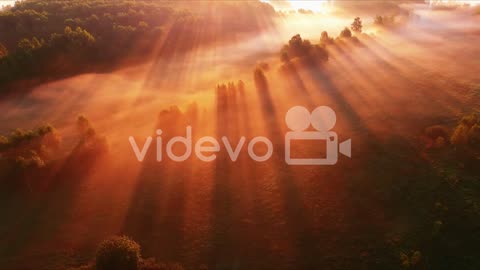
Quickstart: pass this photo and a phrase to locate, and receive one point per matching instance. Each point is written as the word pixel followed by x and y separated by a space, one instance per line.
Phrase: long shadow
pixel 37 217
pixel 359 82
pixel 299 224
pixel 156 213
pixel 345 51
pixel 324 83
pixel 223 240
pixel 415 69
pixel 444 99
pixel 296 85
pixel 249 173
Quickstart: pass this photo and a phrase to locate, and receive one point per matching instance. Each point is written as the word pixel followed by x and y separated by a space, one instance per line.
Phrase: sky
pixel 6 2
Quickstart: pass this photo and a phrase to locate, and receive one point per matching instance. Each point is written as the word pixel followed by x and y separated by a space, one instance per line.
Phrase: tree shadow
pixel 156 214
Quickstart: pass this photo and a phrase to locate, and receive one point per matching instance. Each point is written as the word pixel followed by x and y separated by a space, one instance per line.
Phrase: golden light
pixel 455 2
pixel 315 6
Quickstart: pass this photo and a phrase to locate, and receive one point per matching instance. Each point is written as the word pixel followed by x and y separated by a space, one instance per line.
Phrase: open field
pixel 408 198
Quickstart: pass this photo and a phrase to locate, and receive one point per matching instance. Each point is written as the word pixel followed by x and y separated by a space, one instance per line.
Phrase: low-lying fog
pixel 435 50
pixel 394 83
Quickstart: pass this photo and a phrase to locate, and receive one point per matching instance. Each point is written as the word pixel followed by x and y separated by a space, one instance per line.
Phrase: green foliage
pixel 121 253
pixel 410 259
pixel 57 38
pixel 79 38
pixel 34 57
pixel 18 136
pixel 28 45
pixel 467 132
pixel 32 148
pixel 118 253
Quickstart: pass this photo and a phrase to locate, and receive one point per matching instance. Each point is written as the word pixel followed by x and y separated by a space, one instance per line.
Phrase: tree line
pixel 58 38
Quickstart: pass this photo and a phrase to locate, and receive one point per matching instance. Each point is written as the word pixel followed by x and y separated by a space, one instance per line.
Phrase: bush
pixel 31 148
pixel 118 253
pixel 467 133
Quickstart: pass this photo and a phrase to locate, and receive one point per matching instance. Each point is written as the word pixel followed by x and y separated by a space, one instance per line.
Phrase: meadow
pixel 81 80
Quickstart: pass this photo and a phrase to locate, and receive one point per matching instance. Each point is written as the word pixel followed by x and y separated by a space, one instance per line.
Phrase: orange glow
pixel 225 82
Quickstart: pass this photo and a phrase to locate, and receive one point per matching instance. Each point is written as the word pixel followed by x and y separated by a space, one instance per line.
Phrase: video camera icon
pixel 322 119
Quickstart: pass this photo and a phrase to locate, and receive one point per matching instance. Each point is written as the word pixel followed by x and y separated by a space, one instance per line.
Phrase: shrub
pixel 459 136
pixel 118 253
pixel 31 148
pixel 467 131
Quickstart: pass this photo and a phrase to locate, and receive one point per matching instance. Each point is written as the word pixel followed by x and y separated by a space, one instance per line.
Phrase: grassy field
pixel 408 198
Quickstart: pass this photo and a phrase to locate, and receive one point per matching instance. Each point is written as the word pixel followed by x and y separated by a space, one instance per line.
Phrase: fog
pixel 429 41
pixel 394 82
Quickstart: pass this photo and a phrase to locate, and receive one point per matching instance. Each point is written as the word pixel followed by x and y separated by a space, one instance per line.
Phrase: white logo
pixel 322 119
pixel 298 119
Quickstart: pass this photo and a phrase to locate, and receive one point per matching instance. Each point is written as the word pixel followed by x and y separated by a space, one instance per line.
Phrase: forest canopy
pixel 58 38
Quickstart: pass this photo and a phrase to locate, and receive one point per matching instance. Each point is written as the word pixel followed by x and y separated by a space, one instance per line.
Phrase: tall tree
pixel 325 39
pixel 357 25
pixel 346 33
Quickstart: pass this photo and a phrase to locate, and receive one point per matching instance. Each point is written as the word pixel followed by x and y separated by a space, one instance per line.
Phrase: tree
pixel 29 45
pixel 260 79
pixel 378 20
pixel 357 25
pixel 79 37
pixel 467 132
pixel 346 33
pixel 118 253
pixel 325 39
pixel 304 49
pixel 3 51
